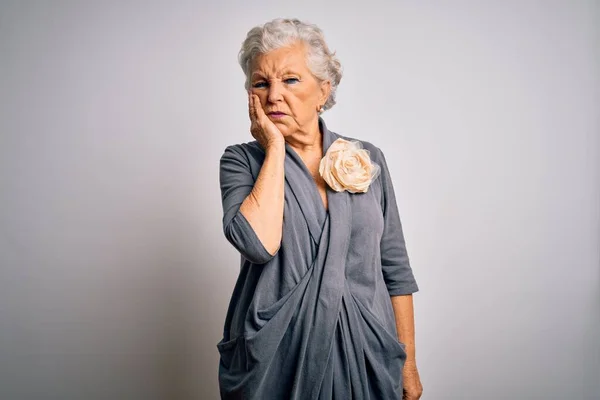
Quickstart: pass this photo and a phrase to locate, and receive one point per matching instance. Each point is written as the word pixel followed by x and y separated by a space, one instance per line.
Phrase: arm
pixel 399 280
pixel 263 207
pixel 395 263
pixel 253 211
pixel 405 324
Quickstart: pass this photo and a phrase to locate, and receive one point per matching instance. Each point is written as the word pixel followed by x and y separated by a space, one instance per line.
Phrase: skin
pixel 405 326
pixel 281 81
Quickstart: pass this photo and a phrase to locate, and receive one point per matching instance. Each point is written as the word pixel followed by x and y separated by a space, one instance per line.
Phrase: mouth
pixel 276 114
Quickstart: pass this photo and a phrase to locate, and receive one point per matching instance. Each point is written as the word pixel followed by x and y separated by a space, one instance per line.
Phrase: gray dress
pixel 314 321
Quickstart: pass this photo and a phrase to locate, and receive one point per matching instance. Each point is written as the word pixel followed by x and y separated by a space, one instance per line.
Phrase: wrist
pixel 275 145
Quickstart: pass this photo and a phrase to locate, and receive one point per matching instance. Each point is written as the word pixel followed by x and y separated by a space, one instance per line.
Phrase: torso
pixel 312 164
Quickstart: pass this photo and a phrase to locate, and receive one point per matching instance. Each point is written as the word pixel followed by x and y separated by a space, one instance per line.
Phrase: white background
pixel 115 275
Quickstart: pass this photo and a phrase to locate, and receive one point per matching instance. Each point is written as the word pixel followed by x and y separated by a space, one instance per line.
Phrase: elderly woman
pixel 322 308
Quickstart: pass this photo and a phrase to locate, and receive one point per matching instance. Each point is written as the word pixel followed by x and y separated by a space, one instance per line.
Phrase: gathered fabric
pixel 315 320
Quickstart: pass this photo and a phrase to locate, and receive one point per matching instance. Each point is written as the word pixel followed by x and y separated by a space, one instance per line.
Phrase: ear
pixel 325 88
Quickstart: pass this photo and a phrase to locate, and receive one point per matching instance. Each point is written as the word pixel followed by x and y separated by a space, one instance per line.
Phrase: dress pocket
pixel 379 334
pixel 233 353
pixel 262 344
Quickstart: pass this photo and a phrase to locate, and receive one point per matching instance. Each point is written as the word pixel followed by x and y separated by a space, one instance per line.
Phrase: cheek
pixel 254 91
pixel 261 95
pixel 299 102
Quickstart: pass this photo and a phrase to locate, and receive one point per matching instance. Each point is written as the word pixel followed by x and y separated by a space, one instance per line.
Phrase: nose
pixel 275 92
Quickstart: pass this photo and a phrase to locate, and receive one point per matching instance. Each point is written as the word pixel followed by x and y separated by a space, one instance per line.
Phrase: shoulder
pixel 375 152
pixel 243 152
pixel 377 156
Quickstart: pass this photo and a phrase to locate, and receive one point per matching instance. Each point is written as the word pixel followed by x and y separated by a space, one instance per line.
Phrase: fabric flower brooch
pixel 347 166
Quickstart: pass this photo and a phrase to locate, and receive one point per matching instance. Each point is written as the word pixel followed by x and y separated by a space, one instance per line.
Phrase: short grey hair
pixel 282 32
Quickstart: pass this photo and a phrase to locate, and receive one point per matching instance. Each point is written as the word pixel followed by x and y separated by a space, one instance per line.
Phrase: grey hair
pixel 282 32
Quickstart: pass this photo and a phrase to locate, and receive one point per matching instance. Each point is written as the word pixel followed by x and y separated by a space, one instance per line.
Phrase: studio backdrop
pixel 115 275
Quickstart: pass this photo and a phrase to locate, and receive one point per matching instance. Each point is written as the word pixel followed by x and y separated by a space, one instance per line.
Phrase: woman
pixel 322 308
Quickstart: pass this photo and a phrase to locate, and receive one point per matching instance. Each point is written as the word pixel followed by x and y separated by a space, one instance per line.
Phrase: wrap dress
pixel 315 320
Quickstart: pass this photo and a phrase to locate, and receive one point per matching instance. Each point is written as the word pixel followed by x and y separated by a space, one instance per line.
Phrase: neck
pixel 308 139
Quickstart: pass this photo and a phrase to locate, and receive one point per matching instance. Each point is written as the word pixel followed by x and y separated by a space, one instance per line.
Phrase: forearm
pixel 405 324
pixel 263 207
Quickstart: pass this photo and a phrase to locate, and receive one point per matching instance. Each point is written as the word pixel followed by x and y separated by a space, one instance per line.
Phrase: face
pixel 288 91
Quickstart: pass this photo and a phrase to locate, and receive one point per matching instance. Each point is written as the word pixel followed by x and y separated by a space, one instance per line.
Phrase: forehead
pixel 286 59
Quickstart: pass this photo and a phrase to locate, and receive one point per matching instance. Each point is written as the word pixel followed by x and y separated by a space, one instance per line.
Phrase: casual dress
pixel 315 320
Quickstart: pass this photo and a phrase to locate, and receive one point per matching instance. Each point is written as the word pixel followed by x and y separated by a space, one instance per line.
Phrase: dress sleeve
pixel 397 272
pixel 236 182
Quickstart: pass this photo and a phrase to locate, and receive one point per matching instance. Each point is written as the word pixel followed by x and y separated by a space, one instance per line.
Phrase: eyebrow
pixel 285 72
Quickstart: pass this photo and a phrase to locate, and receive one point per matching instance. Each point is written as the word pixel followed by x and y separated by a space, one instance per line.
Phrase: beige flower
pixel 347 166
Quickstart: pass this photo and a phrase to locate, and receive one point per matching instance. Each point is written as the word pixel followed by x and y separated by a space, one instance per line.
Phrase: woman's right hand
pixel 262 128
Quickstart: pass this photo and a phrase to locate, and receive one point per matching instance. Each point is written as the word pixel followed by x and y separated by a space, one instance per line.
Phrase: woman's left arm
pixel 399 279
pixel 405 325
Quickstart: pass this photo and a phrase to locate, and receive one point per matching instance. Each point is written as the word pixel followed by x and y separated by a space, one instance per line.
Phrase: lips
pixel 275 115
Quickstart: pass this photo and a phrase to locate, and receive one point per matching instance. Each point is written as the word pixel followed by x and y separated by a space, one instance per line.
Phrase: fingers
pixel 257 114
pixel 255 125
pixel 261 128
pixel 251 107
pixel 260 113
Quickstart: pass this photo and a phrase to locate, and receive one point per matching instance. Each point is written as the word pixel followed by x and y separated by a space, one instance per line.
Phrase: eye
pixel 291 81
pixel 259 85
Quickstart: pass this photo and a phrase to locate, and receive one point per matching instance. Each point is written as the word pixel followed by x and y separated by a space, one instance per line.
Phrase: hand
pixel 262 128
pixel 411 383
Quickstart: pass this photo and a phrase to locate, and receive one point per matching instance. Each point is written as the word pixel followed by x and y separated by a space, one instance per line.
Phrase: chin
pixel 283 128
